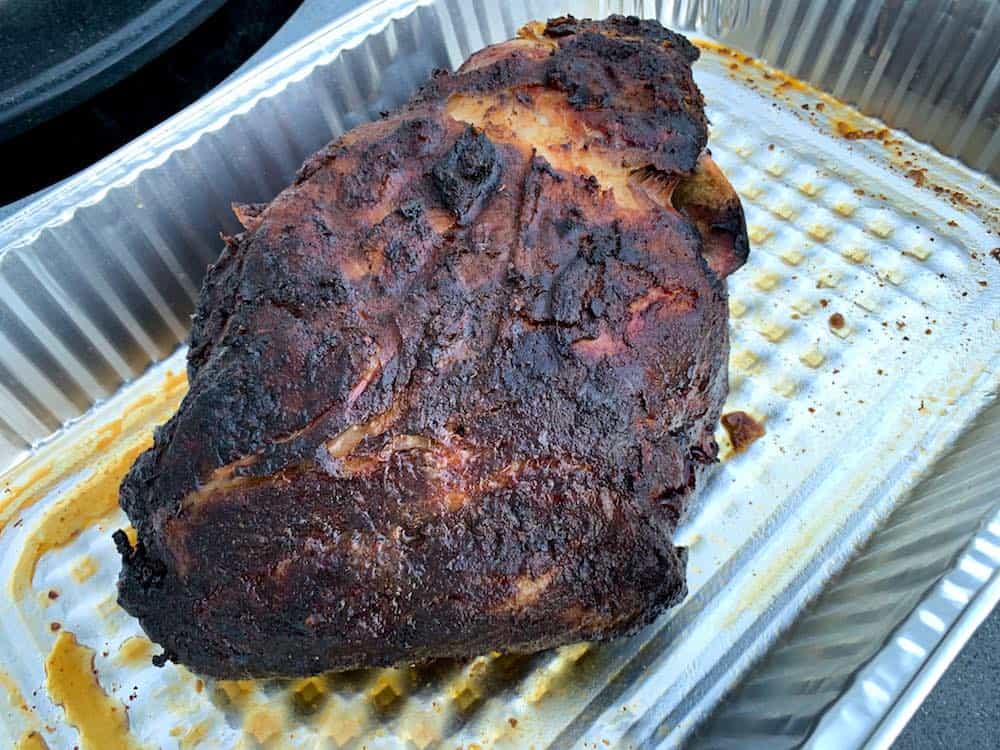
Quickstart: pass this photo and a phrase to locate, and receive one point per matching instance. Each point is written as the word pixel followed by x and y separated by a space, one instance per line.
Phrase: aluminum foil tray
pixel 865 338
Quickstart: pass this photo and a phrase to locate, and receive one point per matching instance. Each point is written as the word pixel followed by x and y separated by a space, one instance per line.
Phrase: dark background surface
pixel 963 710
pixel 77 138
pixel 58 53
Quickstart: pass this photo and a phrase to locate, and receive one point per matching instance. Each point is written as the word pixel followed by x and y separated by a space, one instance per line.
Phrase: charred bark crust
pixel 451 391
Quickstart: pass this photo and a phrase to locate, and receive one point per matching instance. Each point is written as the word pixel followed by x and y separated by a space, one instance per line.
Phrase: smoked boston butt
pixel 451 391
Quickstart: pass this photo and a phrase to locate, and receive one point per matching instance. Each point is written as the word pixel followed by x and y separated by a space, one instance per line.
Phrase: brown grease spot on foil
pixel 918 175
pixel 18 498
pixel 93 499
pixel 71 682
pixel 852 133
pixel 135 650
pixel 743 429
pixel 263 724
pixel 84 569
pixel 194 735
pixel 137 417
pixel 32 741
pixel 14 695
pixel 107 434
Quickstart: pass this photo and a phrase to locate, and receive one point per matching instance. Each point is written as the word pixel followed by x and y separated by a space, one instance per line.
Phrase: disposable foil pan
pixel 864 334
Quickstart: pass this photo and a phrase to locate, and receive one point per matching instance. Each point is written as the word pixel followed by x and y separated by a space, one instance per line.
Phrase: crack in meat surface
pixel 452 389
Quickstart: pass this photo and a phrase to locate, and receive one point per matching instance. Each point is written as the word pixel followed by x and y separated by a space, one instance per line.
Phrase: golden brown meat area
pixel 452 389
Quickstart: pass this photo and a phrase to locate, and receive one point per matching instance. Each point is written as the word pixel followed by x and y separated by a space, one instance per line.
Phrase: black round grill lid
pixel 57 53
